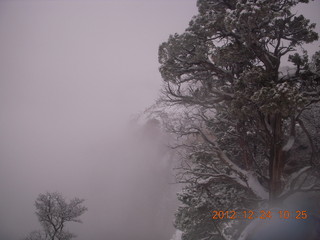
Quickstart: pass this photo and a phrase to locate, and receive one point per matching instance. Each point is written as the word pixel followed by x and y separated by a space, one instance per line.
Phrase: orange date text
pixel 262 214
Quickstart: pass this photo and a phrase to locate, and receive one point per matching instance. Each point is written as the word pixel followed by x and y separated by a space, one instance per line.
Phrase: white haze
pixel 72 74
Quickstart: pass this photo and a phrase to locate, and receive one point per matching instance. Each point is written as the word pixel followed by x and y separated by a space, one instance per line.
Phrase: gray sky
pixel 72 73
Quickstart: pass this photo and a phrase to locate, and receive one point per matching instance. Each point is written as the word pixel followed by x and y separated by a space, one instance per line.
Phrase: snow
pixel 282 87
pixel 294 176
pixel 177 235
pixel 249 229
pixel 205 181
pixel 256 187
pixel 289 144
pixel 251 179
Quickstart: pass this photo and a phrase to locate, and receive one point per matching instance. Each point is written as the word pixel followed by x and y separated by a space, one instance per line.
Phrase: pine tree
pixel 239 131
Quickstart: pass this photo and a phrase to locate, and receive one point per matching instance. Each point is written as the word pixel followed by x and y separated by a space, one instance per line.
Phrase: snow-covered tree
pixel 36 235
pixel 54 212
pixel 245 122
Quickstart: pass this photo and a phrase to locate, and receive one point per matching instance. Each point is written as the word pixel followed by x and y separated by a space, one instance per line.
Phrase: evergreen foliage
pixel 248 136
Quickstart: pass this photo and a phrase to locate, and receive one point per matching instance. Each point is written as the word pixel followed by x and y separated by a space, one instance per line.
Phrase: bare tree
pixel 54 212
pixel 36 235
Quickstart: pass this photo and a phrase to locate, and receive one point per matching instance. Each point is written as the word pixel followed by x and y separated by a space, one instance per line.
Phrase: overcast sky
pixel 72 73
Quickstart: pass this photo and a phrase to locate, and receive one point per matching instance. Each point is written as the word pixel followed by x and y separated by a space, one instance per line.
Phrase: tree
pixel 242 114
pixel 53 213
pixel 36 235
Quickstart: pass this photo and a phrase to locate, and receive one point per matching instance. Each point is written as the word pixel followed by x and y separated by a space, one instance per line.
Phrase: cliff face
pixel 146 193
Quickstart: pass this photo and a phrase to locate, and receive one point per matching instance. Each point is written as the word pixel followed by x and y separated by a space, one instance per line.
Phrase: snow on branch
pixel 291 185
pixel 245 178
pixel 289 144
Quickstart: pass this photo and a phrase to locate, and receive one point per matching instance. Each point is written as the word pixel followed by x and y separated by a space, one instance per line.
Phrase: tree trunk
pixel 276 159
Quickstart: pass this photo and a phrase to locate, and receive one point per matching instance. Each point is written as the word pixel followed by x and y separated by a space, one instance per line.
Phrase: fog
pixel 73 74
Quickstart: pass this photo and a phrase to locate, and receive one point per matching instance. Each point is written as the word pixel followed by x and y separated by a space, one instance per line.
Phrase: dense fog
pixel 73 75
